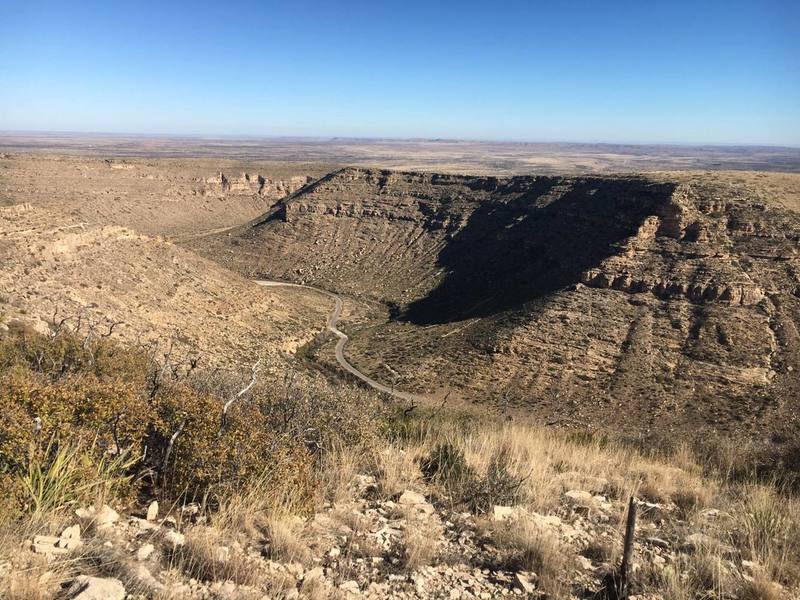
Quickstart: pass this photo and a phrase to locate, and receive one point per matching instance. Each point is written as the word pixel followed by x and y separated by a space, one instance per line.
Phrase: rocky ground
pixel 408 546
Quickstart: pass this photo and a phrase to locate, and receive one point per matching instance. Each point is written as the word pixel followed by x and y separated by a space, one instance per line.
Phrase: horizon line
pixel 441 139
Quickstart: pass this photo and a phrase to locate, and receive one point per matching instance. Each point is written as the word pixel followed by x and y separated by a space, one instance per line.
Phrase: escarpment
pixel 248 183
pixel 569 299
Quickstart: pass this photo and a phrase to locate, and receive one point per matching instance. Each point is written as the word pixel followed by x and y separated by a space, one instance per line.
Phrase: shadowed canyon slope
pixel 671 297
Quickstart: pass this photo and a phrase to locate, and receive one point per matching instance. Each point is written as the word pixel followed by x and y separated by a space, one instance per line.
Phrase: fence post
pixel 627 553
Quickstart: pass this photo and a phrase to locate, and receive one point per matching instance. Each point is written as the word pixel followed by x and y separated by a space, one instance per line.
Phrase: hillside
pixel 167 197
pixel 669 296
pixel 55 268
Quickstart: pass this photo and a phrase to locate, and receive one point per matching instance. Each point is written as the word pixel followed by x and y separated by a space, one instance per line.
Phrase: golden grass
pixel 420 543
pixel 208 556
pixel 286 540
pixel 526 546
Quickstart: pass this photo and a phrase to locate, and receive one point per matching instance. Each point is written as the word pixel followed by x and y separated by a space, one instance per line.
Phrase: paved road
pixel 333 320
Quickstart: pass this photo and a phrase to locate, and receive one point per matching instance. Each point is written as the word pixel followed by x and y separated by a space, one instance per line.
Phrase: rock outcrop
pixel 671 296
pixel 250 184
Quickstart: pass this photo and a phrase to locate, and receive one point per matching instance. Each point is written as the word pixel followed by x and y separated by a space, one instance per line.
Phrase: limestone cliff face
pixel 250 184
pixel 568 298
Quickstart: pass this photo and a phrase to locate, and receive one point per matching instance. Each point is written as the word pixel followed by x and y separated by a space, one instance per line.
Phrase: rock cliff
pixel 673 298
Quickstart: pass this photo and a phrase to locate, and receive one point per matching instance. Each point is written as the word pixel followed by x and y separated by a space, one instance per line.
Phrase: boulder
pixel 96 588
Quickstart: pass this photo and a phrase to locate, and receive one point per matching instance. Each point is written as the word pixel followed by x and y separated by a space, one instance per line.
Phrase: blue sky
pixel 676 71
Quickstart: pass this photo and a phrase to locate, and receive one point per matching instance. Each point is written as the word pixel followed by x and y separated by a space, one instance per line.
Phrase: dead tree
pixel 242 392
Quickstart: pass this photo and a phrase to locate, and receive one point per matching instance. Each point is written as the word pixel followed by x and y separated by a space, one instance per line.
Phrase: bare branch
pixel 242 392
pixel 111 328
pixel 171 443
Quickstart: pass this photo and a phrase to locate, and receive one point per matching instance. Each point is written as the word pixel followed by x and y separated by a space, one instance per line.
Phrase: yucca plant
pixel 52 477
pixel 64 472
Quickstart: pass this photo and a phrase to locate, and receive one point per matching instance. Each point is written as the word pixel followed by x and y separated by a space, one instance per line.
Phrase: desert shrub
pixel 447 467
pixel 61 473
pixel 60 440
pixel 99 400
pixel 206 461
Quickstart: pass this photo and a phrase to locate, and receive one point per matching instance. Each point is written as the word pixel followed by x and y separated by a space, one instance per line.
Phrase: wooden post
pixel 627 553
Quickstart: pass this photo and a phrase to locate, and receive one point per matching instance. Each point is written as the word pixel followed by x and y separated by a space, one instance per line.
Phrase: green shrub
pixel 447 467
pixel 73 406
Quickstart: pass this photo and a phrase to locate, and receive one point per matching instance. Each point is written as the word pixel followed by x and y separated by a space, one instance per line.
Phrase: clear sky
pixel 673 71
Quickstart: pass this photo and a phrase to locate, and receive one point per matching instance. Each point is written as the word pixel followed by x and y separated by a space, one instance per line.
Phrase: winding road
pixel 333 320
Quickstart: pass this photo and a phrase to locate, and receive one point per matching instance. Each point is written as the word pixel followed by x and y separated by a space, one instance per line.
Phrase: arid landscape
pixel 399 300
pixel 458 368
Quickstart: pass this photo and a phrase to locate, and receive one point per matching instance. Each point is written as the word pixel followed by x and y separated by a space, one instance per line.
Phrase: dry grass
pixel 526 546
pixel 420 543
pixel 603 550
pixel 758 589
pixel 768 527
pixel 286 540
pixel 206 556
pixel 396 469
pixel 29 577
pixel 759 521
pixel 337 470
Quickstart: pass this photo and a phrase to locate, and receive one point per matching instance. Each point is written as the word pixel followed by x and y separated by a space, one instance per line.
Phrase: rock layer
pixel 673 298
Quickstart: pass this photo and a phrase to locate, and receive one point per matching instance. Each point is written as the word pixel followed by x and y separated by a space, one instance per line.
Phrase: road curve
pixel 333 320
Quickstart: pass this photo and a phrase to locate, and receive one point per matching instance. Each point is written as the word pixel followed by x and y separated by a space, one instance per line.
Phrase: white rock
pixel 174 539
pixel 315 573
pixel 106 516
pixel 96 588
pixel 72 533
pixel 523 581
pixel 142 524
pixel 409 498
pixel 145 551
pixel 152 511
pixel 85 513
pixel 579 498
pixel 47 544
pixel 350 587
pixel 502 513
pixel 69 543
pixel 146 578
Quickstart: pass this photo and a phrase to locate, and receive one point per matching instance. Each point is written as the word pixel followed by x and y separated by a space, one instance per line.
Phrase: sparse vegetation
pixel 87 419
pixel 302 469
